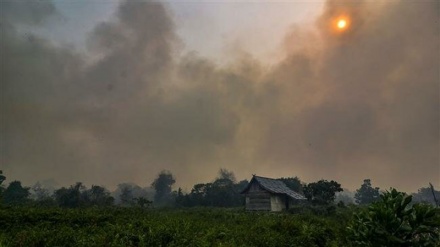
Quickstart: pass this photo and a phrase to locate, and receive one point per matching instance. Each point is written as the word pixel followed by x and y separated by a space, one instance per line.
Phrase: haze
pixel 112 92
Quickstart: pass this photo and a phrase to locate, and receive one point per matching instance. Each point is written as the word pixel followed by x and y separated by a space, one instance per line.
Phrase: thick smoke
pixel 345 106
pixel 372 98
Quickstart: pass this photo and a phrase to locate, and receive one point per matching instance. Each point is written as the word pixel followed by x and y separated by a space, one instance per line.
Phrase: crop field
pixel 168 227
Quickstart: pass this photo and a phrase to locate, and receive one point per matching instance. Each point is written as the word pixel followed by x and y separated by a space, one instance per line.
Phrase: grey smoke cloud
pixel 344 106
pixel 31 12
pixel 378 109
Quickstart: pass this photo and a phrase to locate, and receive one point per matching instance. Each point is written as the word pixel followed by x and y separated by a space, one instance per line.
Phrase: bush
pixel 323 210
pixel 392 221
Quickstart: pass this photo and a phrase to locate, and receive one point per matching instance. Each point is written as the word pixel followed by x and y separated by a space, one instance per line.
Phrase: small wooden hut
pixel 268 194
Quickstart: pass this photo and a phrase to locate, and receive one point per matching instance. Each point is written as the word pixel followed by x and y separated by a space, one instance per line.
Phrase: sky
pixel 106 92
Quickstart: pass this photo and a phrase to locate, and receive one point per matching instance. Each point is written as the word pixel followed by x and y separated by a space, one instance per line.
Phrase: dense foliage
pixel 162 185
pixel 294 183
pixel 224 191
pixel 366 194
pixel 15 194
pixel 78 195
pixel 220 193
pixel 322 192
pixel 161 227
pixel 81 216
pixel 394 222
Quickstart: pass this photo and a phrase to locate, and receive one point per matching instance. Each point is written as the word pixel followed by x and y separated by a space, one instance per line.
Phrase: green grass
pixel 168 227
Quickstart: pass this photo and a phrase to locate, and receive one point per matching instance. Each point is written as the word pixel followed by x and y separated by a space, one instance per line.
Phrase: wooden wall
pixel 278 202
pixel 257 198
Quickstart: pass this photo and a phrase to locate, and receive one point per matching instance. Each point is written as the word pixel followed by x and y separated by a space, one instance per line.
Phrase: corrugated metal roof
pixel 277 186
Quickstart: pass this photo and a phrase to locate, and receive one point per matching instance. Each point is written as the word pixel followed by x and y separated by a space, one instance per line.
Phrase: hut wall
pixel 277 202
pixel 258 199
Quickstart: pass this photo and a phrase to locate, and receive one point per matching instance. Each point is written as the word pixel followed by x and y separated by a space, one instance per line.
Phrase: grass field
pixel 169 227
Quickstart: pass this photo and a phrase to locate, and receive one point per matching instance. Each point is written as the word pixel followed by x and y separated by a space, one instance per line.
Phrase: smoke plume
pixel 340 105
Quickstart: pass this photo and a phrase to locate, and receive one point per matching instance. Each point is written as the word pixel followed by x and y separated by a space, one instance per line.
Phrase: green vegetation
pixel 81 216
pixel 322 192
pixel 16 194
pixel 113 226
pixel 394 222
pixel 162 185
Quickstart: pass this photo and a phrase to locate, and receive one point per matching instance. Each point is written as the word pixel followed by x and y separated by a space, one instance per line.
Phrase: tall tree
pixel 99 196
pixel 322 192
pixel 294 183
pixel 16 193
pixel 224 174
pixel 71 197
pixel 163 186
pixel 366 194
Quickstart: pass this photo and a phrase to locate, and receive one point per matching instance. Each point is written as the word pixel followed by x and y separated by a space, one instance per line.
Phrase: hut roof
pixel 274 186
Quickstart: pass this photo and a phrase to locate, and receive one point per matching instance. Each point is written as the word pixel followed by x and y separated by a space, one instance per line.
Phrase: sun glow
pixel 342 24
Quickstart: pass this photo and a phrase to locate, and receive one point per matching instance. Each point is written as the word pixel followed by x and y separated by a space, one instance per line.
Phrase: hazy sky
pixel 213 29
pixel 106 92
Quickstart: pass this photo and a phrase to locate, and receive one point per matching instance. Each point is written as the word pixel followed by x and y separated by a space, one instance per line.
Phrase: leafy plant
pixel 392 221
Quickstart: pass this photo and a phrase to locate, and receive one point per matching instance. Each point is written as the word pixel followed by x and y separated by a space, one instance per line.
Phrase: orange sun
pixel 341 23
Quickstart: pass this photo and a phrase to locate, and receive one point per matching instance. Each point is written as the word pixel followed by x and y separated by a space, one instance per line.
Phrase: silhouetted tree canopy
pixel 79 196
pixel 425 195
pixel 224 174
pixel 98 196
pixel 70 197
pixel 366 194
pixel 16 194
pixel 322 192
pixel 222 192
pixel 294 183
pixel 163 186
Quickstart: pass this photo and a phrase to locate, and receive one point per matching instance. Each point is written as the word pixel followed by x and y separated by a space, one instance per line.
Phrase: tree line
pixel 223 191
